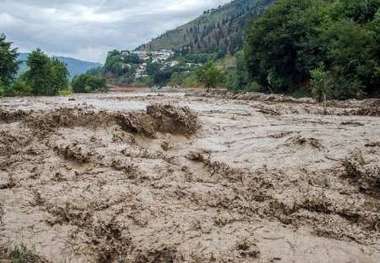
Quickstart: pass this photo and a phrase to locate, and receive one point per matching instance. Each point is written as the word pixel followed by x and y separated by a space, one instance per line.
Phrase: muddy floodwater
pixel 175 177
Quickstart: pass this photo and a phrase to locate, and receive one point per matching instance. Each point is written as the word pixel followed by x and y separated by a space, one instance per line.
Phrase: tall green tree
pixel 8 62
pixel 114 63
pixel 39 73
pixel 59 76
pixel 45 76
pixel 282 45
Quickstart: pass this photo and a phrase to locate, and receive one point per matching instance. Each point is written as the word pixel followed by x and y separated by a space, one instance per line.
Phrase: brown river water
pixel 175 177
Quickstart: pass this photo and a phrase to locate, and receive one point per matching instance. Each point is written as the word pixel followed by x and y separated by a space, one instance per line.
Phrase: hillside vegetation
pixel 329 49
pixel 217 30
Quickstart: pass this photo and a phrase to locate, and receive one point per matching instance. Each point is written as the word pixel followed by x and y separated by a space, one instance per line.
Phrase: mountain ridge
pixel 216 30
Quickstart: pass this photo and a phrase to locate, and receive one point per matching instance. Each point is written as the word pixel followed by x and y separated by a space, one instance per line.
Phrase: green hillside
pixel 220 29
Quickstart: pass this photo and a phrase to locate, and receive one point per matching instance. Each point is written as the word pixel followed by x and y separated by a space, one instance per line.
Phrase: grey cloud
pixel 88 29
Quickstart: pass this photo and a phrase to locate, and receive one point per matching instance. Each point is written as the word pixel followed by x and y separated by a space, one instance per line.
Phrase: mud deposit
pixel 189 178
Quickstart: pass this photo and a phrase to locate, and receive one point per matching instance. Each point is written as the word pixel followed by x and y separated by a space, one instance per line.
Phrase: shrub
pixel 320 84
pixel 21 88
pixel 65 92
pixel 2 89
pixel 87 83
pixel 210 76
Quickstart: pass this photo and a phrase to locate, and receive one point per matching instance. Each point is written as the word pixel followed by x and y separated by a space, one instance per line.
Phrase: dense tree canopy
pixel 295 37
pixel 46 76
pixel 8 62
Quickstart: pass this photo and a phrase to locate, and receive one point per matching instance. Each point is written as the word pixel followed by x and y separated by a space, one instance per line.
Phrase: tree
pixel 8 62
pixel 286 45
pixel 114 63
pixel 209 75
pixel 359 11
pixel 45 76
pixel 60 76
pixel 349 57
pixel 39 73
pixel 282 44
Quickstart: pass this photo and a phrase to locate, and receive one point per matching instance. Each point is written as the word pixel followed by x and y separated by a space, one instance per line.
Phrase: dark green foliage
pixel 8 62
pixel 87 83
pixel 114 63
pixel 39 68
pixel 282 40
pixel 198 58
pixel 294 37
pixel 360 11
pixel 46 76
pixel 121 66
pixel 152 68
pixel 59 76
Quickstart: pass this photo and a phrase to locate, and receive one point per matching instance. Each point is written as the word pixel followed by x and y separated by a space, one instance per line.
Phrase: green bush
pixel 253 87
pixel 210 76
pixel 65 92
pixel 87 83
pixel 21 88
pixel 320 84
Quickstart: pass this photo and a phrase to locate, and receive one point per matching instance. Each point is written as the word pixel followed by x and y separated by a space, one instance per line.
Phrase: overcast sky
pixel 87 29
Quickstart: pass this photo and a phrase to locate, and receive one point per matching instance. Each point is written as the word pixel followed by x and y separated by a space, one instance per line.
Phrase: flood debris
pixel 171 119
pixel 302 141
pixel 365 176
pixel 157 118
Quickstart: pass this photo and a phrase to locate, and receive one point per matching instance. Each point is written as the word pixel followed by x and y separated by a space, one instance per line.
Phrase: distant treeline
pixel 44 75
